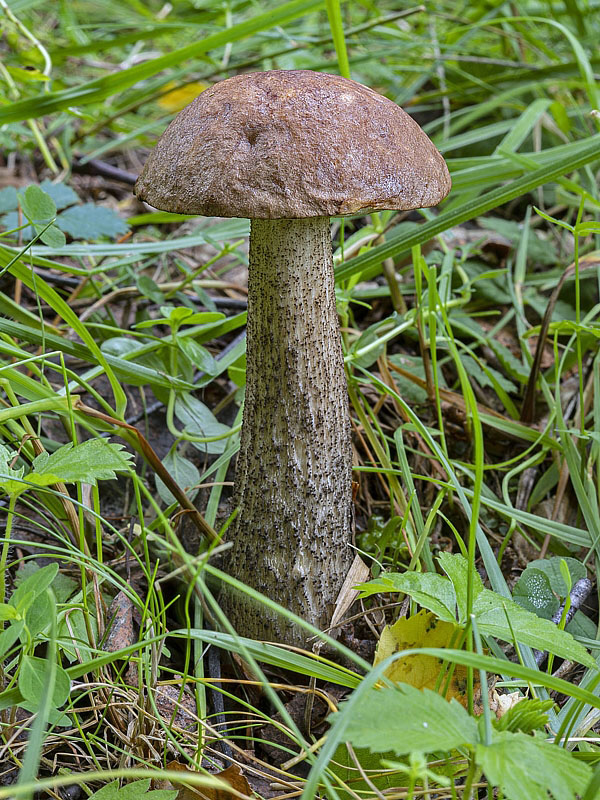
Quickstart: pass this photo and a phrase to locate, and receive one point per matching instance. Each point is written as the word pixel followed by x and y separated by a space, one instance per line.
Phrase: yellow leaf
pixel 424 629
pixel 180 96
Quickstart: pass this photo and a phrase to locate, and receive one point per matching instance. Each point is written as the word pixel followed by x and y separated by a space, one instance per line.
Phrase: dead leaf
pixel 121 633
pixel 232 775
pixel 175 705
pixel 358 573
pixel 422 671
pixel 501 703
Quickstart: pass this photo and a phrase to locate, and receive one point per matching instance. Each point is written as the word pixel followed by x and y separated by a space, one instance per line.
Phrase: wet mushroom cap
pixel 292 144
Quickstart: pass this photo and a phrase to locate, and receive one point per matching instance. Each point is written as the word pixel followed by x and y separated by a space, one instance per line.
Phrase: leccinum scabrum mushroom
pixel 290 149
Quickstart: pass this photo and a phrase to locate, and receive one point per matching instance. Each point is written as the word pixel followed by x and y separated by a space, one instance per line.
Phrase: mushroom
pixel 290 149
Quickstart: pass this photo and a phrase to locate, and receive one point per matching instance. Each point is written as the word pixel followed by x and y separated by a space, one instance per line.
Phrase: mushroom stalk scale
pixel 288 150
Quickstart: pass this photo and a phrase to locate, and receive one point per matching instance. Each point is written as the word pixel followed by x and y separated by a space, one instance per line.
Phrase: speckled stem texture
pixel 293 482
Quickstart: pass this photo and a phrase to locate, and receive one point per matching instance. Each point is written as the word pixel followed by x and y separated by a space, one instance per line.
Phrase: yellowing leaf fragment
pixel 424 629
pixel 180 96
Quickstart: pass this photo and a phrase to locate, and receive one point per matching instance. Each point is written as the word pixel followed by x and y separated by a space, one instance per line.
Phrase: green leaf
pixel 89 462
pixel 344 767
pixel 183 471
pixel 37 205
pixel 90 221
pixel 33 584
pixel 494 613
pixel 525 766
pixel 136 790
pixel 533 592
pixel 62 194
pixel 428 589
pixel 52 236
pixel 149 288
pixel 9 477
pixel 456 568
pixel 32 679
pixel 198 355
pixel 8 199
pixel 120 346
pixel 551 568
pixel 405 719
pixel 8 612
pixel 38 617
pixel 40 210
pixel 237 371
pixel 10 636
pixel 199 420
pixel 528 715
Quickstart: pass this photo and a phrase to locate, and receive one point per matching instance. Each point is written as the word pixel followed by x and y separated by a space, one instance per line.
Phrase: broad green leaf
pixel 61 194
pixel 31 681
pixel 40 210
pixel 8 612
pixel 34 584
pixel 526 766
pixel 8 199
pixel 404 719
pixel 136 790
pixel 551 568
pixel 120 346
pixel 39 617
pixel 528 715
pixel 9 636
pixel 52 236
pixel 199 420
pixel 533 592
pixel 503 618
pixel 90 461
pixel 176 316
pixel 457 569
pixel 149 288
pixel 344 767
pixel 199 356
pixel 429 590
pixel 37 205
pixel 183 471
pixel 237 371
pixel 91 221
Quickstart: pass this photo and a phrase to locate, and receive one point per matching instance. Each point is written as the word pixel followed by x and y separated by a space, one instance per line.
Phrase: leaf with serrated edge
pixel 456 568
pixel 503 618
pixel 428 589
pixel 90 461
pixel 136 790
pixel 525 766
pixel 406 719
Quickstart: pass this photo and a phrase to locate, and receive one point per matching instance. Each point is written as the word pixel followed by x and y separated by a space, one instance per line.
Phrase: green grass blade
pixel 369 263
pixel 101 88
pixel 334 14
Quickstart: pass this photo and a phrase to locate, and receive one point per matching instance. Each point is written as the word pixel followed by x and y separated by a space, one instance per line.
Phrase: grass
pixel 471 346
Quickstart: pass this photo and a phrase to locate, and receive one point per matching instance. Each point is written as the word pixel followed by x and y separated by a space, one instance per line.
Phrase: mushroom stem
pixel 293 481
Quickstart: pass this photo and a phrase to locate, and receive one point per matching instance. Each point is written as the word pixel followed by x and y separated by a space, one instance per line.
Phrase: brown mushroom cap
pixel 292 144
